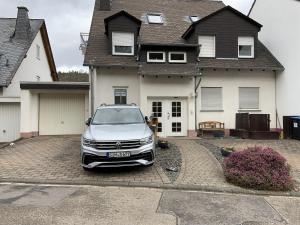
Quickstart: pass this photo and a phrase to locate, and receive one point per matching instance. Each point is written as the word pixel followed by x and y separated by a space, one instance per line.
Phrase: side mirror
pixel 147 119
pixel 88 121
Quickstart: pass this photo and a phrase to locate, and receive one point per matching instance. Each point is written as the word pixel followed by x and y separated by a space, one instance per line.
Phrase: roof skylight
pixel 155 18
pixel 194 18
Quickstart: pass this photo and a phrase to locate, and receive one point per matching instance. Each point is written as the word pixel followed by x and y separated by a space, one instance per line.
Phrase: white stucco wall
pixel 107 79
pixel 281 35
pixel 30 68
pixel 230 81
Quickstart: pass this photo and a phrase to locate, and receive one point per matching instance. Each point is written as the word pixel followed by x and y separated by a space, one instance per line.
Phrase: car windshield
pixel 117 116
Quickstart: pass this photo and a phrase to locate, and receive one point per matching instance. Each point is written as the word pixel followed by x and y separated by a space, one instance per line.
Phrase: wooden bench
pixel 211 126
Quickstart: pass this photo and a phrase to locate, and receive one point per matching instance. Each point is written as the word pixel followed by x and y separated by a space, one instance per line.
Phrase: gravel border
pixel 170 158
pixel 215 150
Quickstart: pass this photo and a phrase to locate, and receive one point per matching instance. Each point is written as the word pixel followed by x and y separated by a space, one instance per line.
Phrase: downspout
pixel 92 89
pixel 276 107
pixel 197 85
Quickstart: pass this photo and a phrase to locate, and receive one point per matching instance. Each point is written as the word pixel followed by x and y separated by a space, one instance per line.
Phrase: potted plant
pixel 225 151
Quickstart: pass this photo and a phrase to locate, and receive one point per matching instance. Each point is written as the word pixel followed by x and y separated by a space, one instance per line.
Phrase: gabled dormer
pixel 226 33
pixel 122 31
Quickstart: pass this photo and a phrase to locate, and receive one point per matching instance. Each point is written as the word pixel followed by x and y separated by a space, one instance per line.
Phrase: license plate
pixel 118 154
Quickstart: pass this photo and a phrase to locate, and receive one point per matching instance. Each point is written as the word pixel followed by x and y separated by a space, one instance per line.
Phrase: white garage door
pixel 171 115
pixel 9 122
pixel 61 114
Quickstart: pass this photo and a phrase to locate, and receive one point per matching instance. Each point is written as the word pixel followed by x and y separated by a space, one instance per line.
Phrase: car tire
pixel 149 165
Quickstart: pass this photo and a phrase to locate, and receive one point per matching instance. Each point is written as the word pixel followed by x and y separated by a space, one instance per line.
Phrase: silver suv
pixel 117 135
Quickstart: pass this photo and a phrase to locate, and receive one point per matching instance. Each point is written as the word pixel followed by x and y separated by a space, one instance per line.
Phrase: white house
pixel 281 34
pixel 25 55
pixel 183 62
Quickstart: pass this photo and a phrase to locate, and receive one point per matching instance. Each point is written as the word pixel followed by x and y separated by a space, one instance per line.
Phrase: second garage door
pixel 61 114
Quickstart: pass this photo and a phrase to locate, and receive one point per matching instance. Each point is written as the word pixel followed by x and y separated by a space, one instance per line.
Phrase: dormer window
pixel 158 57
pixel 122 43
pixel 194 18
pixel 177 57
pixel 246 47
pixel 155 18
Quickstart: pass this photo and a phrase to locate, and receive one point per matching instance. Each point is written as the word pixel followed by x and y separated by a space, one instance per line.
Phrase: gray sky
pixel 65 19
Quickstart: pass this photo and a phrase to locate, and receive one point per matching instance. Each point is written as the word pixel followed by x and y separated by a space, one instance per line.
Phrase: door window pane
pixel 157 109
pixel 176 127
pixel 159 127
pixel 176 109
pixel 120 96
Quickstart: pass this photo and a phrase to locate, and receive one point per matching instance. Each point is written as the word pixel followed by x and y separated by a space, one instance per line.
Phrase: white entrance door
pixel 9 122
pixel 171 115
pixel 62 114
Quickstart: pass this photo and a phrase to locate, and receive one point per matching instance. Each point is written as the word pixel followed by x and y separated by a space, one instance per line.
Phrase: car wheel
pixel 149 165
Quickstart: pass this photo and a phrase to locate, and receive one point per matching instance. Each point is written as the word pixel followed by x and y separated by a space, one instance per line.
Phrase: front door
pixel 171 115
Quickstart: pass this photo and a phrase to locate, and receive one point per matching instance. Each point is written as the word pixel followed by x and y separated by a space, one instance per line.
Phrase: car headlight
pixel 86 142
pixel 147 140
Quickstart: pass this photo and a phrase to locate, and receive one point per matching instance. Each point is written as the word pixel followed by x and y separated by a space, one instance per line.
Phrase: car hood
pixel 117 132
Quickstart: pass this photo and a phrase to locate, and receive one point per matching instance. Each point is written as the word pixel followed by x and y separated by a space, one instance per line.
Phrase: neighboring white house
pixel 281 34
pixel 155 54
pixel 25 55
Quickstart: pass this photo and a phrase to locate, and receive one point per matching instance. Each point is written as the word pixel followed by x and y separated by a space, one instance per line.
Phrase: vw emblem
pixel 118 145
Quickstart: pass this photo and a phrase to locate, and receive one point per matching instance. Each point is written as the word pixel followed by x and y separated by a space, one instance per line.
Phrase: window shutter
pixel 211 99
pixel 208 48
pixel 246 41
pixel 122 39
pixel 249 98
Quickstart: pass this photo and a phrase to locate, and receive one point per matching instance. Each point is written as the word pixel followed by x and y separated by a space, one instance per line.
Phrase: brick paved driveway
pixel 57 159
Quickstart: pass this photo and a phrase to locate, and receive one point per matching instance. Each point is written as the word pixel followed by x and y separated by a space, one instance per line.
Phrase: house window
pixel 120 96
pixel 246 47
pixel 211 99
pixel 207 46
pixel 38 52
pixel 176 127
pixel 194 18
pixel 177 57
pixel 155 18
pixel 249 98
pixel 122 43
pixel 156 57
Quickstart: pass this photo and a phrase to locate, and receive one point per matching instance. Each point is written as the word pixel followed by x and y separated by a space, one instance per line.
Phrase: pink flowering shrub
pixel 258 168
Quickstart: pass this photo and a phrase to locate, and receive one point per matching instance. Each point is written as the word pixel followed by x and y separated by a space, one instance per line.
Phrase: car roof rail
pixel 103 104
pixel 133 104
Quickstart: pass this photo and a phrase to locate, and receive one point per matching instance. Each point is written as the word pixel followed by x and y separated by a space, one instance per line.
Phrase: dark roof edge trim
pixel 55 85
pixel 122 12
pixel 191 28
pixel 111 65
pixel 243 68
pixel 171 45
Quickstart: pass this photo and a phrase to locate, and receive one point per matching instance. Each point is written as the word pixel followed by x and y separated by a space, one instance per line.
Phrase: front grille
pixel 112 145
pixel 94 158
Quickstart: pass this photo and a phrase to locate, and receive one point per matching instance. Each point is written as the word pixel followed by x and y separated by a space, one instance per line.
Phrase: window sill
pixel 249 110
pixel 204 110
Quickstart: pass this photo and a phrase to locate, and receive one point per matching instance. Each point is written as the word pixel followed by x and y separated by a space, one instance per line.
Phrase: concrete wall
pixel 230 81
pixel 281 35
pixel 30 68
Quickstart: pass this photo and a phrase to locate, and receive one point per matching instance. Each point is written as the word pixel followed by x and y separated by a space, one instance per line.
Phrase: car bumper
pixel 93 158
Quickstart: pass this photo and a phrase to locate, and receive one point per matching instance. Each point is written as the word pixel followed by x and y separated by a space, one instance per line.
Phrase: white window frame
pixel 156 60
pixel 177 61
pixel 192 20
pixel 113 44
pixel 214 47
pixel 219 109
pixel 249 109
pixel 155 15
pixel 252 47
pixel 38 52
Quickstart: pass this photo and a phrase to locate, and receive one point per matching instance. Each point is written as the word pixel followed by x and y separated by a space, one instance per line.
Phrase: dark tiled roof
pixel 73 77
pixel 175 24
pixel 169 69
pixel 12 50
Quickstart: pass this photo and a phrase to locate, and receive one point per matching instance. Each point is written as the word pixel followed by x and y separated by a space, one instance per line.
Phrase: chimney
pixel 105 5
pixel 22 29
